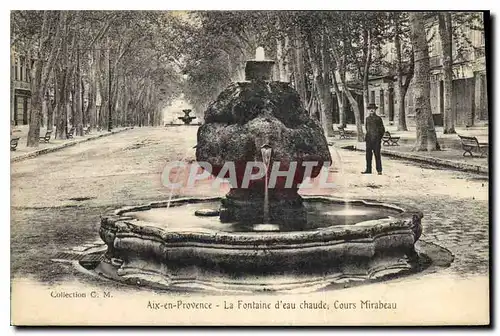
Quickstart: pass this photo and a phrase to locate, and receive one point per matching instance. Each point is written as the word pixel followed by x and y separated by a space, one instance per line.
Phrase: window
pixel 23 69
pixel 16 69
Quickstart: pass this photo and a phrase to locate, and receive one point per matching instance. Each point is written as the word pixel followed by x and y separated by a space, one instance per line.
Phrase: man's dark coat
pixel 374 129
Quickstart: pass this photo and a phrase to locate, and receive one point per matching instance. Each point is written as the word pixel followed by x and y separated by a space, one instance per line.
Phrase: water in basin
pixel 319 215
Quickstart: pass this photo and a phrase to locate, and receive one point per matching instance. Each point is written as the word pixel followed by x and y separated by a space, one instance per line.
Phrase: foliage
pixel 142 47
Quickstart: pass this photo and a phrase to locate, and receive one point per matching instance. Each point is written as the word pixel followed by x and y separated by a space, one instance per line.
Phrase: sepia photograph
pixel 250 168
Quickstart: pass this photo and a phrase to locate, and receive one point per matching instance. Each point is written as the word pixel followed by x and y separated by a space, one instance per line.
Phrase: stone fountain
pixel 256 238
pixel 186 118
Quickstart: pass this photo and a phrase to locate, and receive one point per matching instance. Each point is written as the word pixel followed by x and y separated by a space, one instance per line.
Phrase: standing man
pixel 374 132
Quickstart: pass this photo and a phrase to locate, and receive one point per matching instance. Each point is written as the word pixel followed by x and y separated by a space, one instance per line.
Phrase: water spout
pixel 266 152
pixel 178 176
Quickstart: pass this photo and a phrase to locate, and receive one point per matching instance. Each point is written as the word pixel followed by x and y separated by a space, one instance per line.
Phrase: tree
pixel 74 54
pixel 341 34
pixel 445 33
pixel 62 77
pixel 400 21
pixel 282 49
pixel 47 53
pixel 316 46
pixel 426 134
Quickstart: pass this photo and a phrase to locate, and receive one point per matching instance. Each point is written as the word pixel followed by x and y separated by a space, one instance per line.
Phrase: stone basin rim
pixel 119 224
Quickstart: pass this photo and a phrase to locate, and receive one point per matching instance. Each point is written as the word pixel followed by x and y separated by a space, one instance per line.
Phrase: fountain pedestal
pixel 285 207
pixel 256 114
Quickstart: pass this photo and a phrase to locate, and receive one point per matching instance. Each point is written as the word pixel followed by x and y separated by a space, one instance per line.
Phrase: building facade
pixel 20 85
pixel 469 86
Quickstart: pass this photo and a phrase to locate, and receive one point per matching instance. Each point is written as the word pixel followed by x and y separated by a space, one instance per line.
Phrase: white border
pixel 199 5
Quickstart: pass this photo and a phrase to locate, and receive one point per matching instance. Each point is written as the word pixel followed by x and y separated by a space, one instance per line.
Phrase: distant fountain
pixel 186 118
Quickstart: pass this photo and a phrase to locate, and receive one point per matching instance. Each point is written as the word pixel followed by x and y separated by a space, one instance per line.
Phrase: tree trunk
pixel 320 64
pixel 78 113
pixel 367 53
pixel 401 106
pixel 55 117
pixel 109 124
pixel 114 95
pixel 445 33
pixel 326 95
pixel 286 59
pixel 50 114
pixel 313 105
pixel 36 106
pixel 340 100
pixel 279 58
pixel 65 92
pixel 62 117
pixel 399 69
pixel 73 102
pixel 402 86
pixel 82 104
pixel 426 134
pixel 282 55
pixel 355 107
pixel 93 89
pixel 300 79
pixel 102 81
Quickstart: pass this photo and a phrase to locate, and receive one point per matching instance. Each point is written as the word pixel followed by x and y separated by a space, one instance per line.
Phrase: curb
pixel 468 167
pixel 65 145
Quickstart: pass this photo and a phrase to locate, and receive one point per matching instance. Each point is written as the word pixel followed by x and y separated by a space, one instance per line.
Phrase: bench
pixel 70 133
pixel 389 140
pixel 46 138
pixel 13 143
pixel 470 144
pixel 345 134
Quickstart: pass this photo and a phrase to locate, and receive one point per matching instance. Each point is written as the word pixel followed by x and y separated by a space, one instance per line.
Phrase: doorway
pixel 25 111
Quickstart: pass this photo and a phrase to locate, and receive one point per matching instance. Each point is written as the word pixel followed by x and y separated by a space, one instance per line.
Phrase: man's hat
pixel 372 106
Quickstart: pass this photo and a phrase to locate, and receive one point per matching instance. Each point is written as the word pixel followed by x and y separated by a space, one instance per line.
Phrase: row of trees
pixel 120 59
pixel 318 51
pixel 135 62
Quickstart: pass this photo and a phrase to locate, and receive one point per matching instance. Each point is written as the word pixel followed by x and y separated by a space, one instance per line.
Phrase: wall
pixel 20 90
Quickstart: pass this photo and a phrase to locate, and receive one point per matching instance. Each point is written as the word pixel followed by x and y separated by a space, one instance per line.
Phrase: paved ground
pixel 57 198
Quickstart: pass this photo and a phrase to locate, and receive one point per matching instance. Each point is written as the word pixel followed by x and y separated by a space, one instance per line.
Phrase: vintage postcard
pixel 249 168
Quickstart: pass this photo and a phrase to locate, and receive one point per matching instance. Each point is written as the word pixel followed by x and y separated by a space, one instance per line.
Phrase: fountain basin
pixel 173 246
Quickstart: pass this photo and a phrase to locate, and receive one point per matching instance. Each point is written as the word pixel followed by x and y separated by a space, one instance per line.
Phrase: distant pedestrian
pixel 374 133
